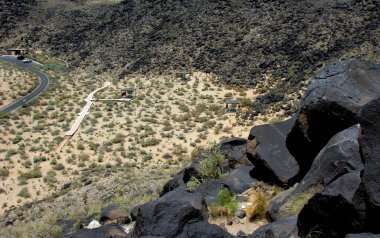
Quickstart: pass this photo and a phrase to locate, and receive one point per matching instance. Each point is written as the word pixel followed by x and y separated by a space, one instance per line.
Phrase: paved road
pixel 36 92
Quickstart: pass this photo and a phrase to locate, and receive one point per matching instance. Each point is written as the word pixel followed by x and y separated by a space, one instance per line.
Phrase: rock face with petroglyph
pixel 332 103
pixel 267 150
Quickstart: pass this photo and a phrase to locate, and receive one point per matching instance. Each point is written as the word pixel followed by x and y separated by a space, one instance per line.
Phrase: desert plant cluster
pixel 167 119
pixel 15 83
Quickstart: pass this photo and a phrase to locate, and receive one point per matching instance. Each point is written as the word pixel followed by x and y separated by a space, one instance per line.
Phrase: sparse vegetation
pixel 294 205
pixel 24 193
pixel 4 172
pixel 226 205
pixel 259 206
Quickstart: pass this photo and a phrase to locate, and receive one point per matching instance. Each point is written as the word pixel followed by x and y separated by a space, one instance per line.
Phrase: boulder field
pixel 326 157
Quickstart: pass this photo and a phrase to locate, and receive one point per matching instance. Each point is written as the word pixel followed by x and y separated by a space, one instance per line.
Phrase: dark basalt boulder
pixel 370 144
pixel 237 181
pixel 174 218
pixel 276 209
pixel 337 210
pixel 267 150
pixel 106 231
pixel 210 190
pixel 177 207
pixel 182 177
pixel 341 155
pixel 165 218
pixel 332 103
pixel 363 235
pixel 114 212
pixel 283 228
pixel 240 179
pixel 235 151
pixel 203 229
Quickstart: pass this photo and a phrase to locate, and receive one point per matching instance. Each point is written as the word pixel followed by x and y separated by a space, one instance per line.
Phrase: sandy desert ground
pixel 166 121
pixel 15 83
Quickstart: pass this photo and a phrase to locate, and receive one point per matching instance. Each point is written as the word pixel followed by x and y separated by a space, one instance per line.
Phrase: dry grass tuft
pixel 257 210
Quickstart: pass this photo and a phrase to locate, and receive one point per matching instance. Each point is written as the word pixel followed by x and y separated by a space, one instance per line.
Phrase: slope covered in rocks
pixel 248 43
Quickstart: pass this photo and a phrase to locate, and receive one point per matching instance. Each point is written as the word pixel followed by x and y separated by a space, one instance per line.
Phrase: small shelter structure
pixel 183 75
pixel 128 93
pixel 17 51
pixel 232 106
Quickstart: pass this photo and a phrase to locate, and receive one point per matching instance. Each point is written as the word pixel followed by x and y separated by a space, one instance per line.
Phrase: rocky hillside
pixel 328 151
pixel 248 43
pixel 313 175
pixel 12 12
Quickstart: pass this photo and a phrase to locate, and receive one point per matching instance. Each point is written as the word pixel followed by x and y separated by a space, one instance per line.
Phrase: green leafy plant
pixel 225 206
pixel 209 168
pixel 193 184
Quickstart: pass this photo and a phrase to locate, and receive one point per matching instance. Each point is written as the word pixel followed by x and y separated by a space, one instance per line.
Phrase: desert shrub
pixel 257 210
pixel 225 206
pixel 83 157
pixel 179 150
pixel 24 193
pixel 242 93
pixel 209 168
pixel 3 115
pixel 16 139
pixel 93 146
pixel 246 102
pixel 27 164
pixel 228 95
pixel 43 228
pixel 119 138
pixel 150 142
pixel 39 159
pixel 80 146
pixel 4 172
pixel 58 166
pixel 34 173
pixel 50 177
pixel 147 157
pixel 193 184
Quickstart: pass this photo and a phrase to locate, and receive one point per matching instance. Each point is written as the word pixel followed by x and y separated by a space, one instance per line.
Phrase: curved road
pixel 36 92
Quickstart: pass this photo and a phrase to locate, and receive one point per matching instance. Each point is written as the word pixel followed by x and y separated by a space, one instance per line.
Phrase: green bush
pixel 193 184
pixel 209 168
pixel 50 177
pixel 24 193
pixel 4 172
pixel 80 146
pixel 58 166
pixel 34 173
pixel 226 204
pixel 17 139
pixel 119 138
pixel 246 102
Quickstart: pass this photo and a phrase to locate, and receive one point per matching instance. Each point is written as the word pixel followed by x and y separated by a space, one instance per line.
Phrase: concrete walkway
pixel 85 110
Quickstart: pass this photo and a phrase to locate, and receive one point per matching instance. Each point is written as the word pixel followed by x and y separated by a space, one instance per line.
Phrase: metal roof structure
pixel 232 101
pixel 182 72
pixel 23 49
pixel 129 90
